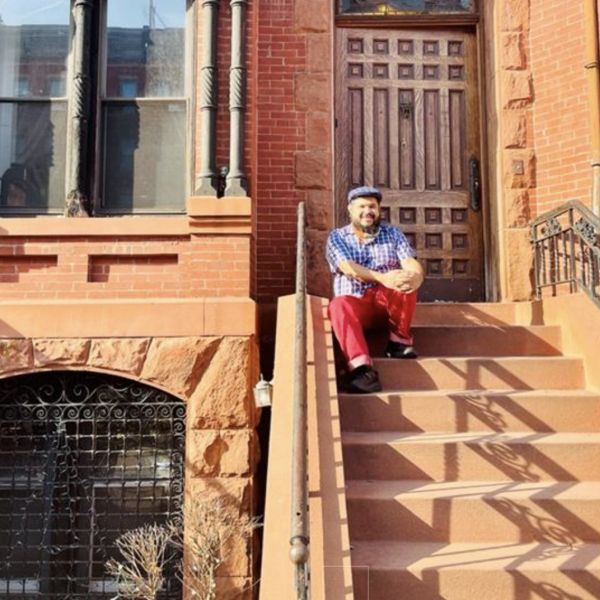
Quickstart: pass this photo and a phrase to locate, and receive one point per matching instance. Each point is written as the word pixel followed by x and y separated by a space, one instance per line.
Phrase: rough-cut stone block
pixel 319 283
pixel 178 364
pixel 125 355
pixel 513 51
pixel 238 557
pixel 234 588
pixel 312 16
pixel 519 265
pixel 234 492
pixel 240 452
pixel 203 452
pixel 319 209
pixel 518 211
pixel 224 453
pixel 519 169
pixel 514 128
pixel 60 352
pixel 223 399
pixel 15 355
pixel 228 588
pixel 515 15
pixel 319 52
pixel 318 130
pixel 312 170
pixel 517 89
pixel 313 91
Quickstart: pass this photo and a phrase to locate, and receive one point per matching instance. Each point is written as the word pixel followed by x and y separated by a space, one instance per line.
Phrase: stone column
pixel 77 204
pixel 518 155
pixel 237 184
pixel 208 182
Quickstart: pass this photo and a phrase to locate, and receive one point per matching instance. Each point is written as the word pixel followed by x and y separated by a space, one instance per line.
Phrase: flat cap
pixel 363 192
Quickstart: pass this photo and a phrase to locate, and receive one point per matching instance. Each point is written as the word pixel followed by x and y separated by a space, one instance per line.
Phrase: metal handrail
pixel 299 518
pixel 566 245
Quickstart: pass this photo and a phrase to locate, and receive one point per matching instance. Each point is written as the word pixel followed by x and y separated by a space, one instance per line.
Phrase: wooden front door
pixel 407 122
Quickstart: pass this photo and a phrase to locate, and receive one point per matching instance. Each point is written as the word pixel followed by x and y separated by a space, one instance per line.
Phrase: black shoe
pixel 364 380
pixel 398 350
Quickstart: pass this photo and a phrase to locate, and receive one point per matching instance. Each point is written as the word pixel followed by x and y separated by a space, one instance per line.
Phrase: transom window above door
pixel 371 7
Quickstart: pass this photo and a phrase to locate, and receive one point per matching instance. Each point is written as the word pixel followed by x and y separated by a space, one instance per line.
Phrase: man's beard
pixel 369 230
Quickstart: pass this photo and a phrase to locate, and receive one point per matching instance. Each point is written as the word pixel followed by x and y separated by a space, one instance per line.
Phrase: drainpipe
pixel 237 184
pixel 593 76
pixel 208 181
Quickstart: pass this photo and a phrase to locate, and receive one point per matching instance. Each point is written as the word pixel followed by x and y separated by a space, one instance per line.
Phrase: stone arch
pixel 175 365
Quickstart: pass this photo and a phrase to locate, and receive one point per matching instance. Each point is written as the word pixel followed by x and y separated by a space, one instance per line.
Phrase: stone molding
pixel 205 216
pixel 121 318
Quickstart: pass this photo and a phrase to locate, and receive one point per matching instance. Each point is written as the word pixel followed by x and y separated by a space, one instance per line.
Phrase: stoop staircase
pixel 475 474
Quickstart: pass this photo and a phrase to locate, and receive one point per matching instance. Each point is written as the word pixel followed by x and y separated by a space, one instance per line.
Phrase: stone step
pixel 429 571
pixel 474 511
pixel 481 373
pixel 472 411
pixel 477 313
pixel 477 340
pixel 472 456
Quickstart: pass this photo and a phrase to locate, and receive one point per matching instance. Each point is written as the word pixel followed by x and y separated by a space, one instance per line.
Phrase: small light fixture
pixel 263 392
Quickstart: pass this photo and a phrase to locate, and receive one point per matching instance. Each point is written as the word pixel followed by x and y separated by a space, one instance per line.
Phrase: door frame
pixel 473 23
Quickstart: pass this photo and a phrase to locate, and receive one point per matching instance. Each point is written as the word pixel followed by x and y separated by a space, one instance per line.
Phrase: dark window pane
pixel 144 162
pixel 402 6
pixel 146 48
pixel 34 44
pixel 32 155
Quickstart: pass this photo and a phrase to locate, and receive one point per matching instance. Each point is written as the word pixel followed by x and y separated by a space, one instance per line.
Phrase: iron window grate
pixel 83 458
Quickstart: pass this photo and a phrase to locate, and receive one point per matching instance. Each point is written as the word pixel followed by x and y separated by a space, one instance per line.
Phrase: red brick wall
pixel 281 133
pixel 560 109
pixel 94 268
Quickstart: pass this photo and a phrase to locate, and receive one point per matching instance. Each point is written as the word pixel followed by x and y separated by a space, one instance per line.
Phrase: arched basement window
pixel 84 457
pixel 372 7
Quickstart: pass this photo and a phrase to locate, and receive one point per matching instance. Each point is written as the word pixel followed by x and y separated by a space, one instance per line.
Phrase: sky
pixel 121 13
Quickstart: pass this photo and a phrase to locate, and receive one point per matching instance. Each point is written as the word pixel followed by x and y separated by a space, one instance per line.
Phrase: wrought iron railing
pixel 566 243
pixel 299 526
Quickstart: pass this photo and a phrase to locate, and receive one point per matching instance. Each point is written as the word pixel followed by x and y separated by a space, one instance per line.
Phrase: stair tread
pixel 395 437
pixel 479 326
pixel 432 359
pixel 481 392
pixel 413 489
pixel 421 556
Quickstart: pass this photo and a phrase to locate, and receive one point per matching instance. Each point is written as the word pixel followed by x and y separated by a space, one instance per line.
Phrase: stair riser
pixel 477 374
pixel 465 314
pixel 488 461
pixel 466 412
pixel 476 520
pixel 465 584
pixel 478 341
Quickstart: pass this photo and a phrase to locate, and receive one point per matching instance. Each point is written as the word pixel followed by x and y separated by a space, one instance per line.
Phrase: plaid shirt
pixel 382 253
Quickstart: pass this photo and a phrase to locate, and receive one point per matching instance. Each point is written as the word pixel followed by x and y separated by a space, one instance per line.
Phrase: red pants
pixel 379 306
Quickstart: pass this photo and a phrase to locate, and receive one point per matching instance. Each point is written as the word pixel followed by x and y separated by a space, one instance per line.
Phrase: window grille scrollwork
pixel 83 458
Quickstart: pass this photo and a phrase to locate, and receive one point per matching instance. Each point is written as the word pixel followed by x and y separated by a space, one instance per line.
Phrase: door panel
pixel 407 115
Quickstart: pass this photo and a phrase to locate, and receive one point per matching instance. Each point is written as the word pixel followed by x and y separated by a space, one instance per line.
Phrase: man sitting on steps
pixel 376 276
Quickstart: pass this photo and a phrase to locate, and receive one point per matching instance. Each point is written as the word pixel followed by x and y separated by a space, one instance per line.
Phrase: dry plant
pixel 140 574
pixel 209 529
